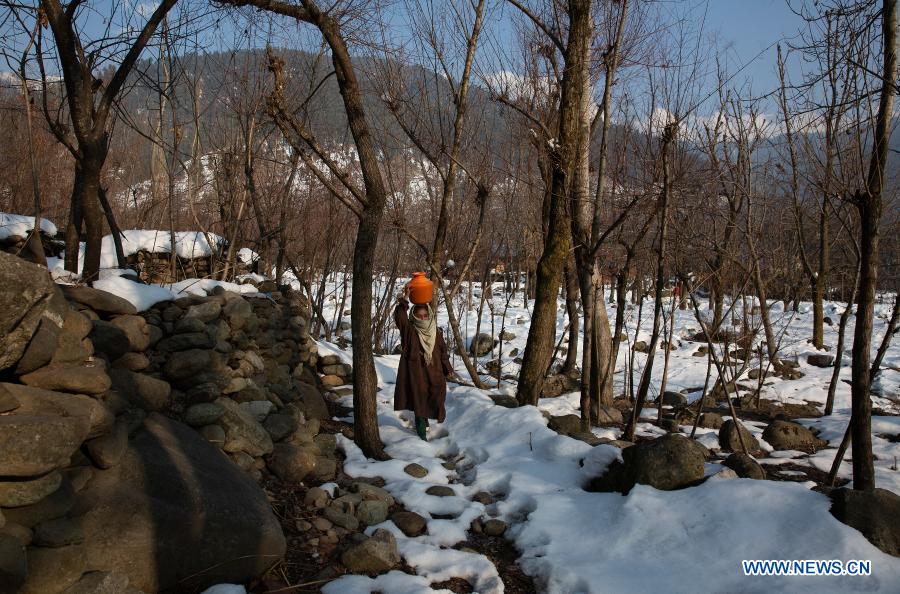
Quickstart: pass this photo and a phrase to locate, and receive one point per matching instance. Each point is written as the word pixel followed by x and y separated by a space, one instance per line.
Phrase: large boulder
pixel 410 523
pixel 291 463
pixel 237 311
pixel 107 450
pixel 53 570
pixel 43 432
pixel 13 565
pixel 669 462
pixel 874 513
pixel 820 360
pixel 205 312
pixel 729 440
pixel 56 505
pixel 27 491
pixel 710 420
pixel 8 402
pixel 177 514
pixel 132 362
pixel 784 435
pixel 99 301
pixel 205 413
pixel 72 349
pixel 101 582
pixel 559 384
pixel 371 512
pixel 565 424
pixel 673 399
pixel 185 341
pixel 482 344
pixel 26 292
pixel 745 466
pixel 187 366
pixel 77 324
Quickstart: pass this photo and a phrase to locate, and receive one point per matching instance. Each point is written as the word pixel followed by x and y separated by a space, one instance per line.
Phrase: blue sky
pixel 748 27
pixel 746 30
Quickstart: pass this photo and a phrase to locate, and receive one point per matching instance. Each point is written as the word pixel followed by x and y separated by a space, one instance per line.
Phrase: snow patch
pixel 21 225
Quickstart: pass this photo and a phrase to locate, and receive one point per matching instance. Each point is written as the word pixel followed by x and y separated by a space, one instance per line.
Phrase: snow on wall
pixel 21 225
pixel 247 256
pixel 188 244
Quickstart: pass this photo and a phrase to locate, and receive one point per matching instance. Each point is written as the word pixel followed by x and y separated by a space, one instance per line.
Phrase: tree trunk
pixel 88 189
pixel 89 117
pixel 571 364
pixel 644 386
pixel 114 230
pixel 869 206
pixel 365 418
pixel 539 347
pixel 587 350
pixel 604 355
pixel 75 224
pixel 839 349
pixel 818 337
pixel 365 380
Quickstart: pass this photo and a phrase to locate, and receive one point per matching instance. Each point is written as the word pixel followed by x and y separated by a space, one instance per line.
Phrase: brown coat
pixel 420 388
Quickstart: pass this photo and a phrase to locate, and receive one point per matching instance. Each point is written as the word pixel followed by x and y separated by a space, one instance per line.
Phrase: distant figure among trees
pixel 424 364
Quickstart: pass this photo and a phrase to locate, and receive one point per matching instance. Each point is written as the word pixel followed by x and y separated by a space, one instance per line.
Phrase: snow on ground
pixel 574 541
pixel 571 540
pixel 686 372
pixel 225 589
pixel 21 225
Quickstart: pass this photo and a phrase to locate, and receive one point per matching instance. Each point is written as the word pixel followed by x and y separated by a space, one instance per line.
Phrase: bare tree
pixel 366 203
pixel 563 151
pixel 869 204
pixel 442 150
pixel 90 101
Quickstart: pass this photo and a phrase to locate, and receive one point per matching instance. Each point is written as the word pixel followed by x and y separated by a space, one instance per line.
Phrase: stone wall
pixel 16 245
pixel 155 267
pixel 131 444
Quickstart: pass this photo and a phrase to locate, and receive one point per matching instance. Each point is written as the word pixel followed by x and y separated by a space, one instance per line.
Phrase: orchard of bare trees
pixel 600 191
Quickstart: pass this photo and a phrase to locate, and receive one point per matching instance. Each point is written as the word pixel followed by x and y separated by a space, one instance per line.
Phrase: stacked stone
pixel 127 440
pixel 156 267
pixel 59 423
pixel 16 245
pixel 242 376
pixel 99 491
pixel 334 371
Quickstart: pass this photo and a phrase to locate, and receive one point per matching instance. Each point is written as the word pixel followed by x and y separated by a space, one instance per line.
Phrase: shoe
pixel 422 427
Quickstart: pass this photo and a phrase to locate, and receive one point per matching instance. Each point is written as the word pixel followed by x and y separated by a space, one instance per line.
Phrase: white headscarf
pixel 427 331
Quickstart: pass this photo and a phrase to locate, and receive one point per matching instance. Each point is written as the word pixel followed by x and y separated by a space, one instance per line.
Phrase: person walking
pixel 424 364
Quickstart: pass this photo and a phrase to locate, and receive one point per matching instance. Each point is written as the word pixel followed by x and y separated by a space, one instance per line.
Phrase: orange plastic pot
pixel 420 289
